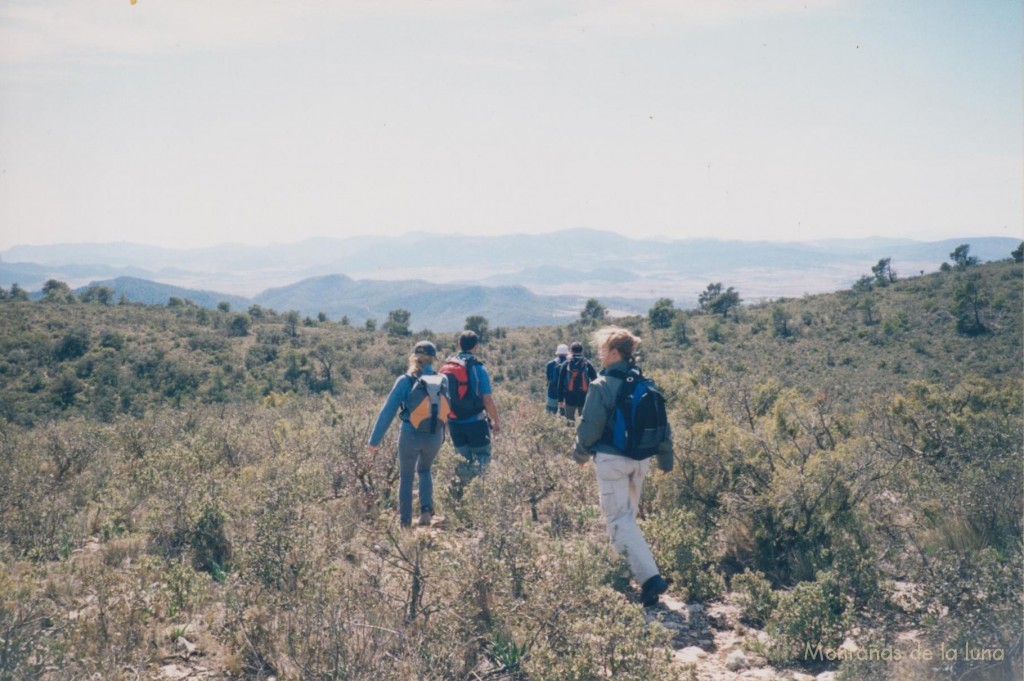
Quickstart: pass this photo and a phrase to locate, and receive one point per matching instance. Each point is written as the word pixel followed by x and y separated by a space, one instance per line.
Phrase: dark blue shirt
pixel 552 374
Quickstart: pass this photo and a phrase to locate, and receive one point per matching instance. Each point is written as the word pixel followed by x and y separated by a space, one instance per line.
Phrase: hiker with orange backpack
pixel 473 415
pixel 420 397
pixel 574 379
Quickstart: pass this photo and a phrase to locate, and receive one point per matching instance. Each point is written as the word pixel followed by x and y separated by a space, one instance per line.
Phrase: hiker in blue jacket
pixel 574 378
pixel 422 431
pixel 474 416
pixel 551 371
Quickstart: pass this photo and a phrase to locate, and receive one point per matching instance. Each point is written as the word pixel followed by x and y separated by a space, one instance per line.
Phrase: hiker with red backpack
pixel 474 415
pixel 624 424
pixel 552 371
pixel 574 378
pixel 420 398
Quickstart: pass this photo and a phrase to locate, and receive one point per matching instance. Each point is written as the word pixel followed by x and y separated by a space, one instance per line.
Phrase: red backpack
pixel 577 380
pixel 463 387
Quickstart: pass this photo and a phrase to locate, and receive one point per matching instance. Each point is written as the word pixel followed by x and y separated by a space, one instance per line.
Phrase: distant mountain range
pixel 513 280
pixel 438 307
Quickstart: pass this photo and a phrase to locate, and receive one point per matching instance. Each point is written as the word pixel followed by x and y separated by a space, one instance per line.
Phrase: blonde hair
pixel 416 362
pixel 617 338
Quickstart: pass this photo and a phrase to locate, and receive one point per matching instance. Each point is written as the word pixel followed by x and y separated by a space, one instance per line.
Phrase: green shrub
pixel 24 615
pixel 755 597
pixel 810 614
pixel 211 551
pixel 973 598
pixel 683 553
pixel 612 640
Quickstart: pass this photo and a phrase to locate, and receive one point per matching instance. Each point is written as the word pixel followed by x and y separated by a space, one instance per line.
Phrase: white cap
pixel 562 349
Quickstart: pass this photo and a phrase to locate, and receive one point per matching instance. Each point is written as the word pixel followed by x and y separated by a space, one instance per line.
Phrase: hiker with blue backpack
pixel 552 371
pixel 574 378
pixel 420 398
pixel 474 416
pixel 624 424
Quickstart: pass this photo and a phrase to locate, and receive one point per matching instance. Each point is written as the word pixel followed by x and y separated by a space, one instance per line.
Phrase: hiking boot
pixel 652 589
pixel 426 517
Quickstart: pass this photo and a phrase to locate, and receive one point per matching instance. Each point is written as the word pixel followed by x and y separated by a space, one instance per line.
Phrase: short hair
pixel 576 348
pixel 468 340
pixel 617 338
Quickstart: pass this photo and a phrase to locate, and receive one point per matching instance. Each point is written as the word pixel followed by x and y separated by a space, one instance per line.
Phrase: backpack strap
pixel 629 379
pixel 471 376
pixel 403 414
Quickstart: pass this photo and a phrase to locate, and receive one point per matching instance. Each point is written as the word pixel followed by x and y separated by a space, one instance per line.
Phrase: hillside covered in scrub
pixel 185 493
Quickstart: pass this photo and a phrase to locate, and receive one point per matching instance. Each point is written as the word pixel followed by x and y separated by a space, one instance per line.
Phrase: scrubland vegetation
pixel 181 484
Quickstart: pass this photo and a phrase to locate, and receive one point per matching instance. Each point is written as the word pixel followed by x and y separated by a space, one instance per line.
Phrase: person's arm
pixel 484 385
pixel 492 413
pixel 592 422
pixel 591 371
pixel 561 383
pixel 399 393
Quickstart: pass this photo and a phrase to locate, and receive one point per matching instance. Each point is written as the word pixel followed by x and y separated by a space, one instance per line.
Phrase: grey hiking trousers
pixel 416 453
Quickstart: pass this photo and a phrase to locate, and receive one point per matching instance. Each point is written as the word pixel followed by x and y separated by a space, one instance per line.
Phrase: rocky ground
pixel 708 644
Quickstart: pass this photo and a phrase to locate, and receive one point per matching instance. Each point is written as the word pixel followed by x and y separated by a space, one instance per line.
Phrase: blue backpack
pixel 639 422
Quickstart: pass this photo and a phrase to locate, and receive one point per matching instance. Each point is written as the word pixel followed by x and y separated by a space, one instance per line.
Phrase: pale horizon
pixel 431 235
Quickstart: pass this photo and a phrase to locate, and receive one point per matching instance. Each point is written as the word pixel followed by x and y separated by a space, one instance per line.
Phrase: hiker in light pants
pixel 620 478
pixel 417 448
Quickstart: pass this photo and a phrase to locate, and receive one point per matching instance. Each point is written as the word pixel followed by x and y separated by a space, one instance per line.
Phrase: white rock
pixel 759 675
pixel 800 676
pixel 850 645
pixel 826 676
pixel 184 643
pixel 173 671
pixel 690 655
pixel 736 661
pixel 757 661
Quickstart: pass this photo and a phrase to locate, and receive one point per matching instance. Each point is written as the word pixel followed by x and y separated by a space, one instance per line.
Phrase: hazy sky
pixel 194 122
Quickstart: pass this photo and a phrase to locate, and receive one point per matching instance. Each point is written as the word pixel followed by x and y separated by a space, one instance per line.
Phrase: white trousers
pixel 620 480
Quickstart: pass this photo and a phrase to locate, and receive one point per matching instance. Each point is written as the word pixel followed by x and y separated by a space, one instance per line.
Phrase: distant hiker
pixel 561 353
pixel 622 426
pixel 473 413
pixel 420 397
pixel 574 378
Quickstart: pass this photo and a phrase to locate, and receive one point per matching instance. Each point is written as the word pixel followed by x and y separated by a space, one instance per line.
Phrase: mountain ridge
pixel 441 307
pixel 568 265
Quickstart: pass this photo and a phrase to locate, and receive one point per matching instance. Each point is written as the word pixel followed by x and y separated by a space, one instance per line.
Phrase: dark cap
pixel 425 347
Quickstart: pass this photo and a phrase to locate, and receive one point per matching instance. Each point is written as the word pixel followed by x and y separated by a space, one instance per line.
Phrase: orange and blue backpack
pixel 427 403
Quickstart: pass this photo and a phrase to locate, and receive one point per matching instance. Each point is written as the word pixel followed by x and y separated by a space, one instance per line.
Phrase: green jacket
pixel 598 411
